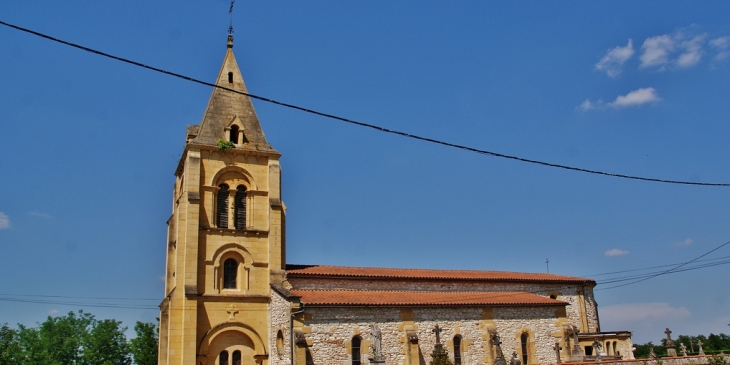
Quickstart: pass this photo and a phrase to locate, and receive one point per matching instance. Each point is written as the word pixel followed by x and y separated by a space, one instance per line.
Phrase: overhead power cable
pixel 649 268
pixel 669 271
pixel 362 124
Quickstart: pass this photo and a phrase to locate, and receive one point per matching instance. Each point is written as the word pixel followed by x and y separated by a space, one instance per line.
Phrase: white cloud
pixel 616 252
pixel 4 221
pixel 587 105
pixel 656 50
pixel 682 49
pixel 642 312
pixel 636 97
pixel 722 46
pixel 39 214
pixel 53 312
pixel 692 51
pixel 615 58
pixel 687 242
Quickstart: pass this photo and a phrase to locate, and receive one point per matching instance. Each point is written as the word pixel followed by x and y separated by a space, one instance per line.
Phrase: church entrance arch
pixel 231 348
pixel 232 343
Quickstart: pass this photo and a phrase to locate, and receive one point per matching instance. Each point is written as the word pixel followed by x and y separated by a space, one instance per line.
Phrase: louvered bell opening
pixel 221 217
pixel 240 207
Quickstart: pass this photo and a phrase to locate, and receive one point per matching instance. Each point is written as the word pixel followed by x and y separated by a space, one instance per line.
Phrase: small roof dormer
pixel 228 110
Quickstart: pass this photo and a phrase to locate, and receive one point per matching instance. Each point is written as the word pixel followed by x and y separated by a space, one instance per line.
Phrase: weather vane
pixel 230 18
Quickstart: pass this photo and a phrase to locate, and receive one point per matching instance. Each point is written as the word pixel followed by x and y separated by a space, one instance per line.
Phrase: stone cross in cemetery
pixel 671 348
pixel 499 360
pixel 598 349
pixel 683 348
pixel 699 343
pixel 437 330
pixel 514 360
pixel 652 354
pixel 557 352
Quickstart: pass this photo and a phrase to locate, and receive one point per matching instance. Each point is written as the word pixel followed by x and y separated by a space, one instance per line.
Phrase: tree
pixel 440 356
pixel 106 344
pixel 10 351
pixel 144 346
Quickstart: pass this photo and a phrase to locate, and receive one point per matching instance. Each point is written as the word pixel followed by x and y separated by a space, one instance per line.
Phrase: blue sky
pixel 89 146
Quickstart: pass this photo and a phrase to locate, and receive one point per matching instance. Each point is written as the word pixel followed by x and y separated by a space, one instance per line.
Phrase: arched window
pixel 221 217
pixel 234 134
pixel 523 343
pixel 223 358
pixel 236 357
pixel 230 271
pixel 356 350
pixel 457 350
pixel 240 207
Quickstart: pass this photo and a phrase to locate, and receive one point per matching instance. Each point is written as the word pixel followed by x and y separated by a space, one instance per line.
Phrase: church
pixel 231 298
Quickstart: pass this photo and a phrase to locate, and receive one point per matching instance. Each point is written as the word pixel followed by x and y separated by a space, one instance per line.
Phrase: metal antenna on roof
pixel 547 264
pixel 230 18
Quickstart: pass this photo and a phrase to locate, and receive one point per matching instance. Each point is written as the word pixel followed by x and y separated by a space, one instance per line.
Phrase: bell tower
pixel 225 241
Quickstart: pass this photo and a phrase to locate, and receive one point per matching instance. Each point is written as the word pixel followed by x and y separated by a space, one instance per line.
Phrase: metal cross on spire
pixel 547 263
pixel 230 18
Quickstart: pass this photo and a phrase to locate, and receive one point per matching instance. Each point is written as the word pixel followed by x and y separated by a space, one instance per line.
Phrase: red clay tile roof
pixel 411 298
pixel 422 274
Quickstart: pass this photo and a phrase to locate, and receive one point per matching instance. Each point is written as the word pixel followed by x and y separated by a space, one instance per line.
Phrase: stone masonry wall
pixel 688 360
pixel 566 292
pixel 279 316
pixel 332 329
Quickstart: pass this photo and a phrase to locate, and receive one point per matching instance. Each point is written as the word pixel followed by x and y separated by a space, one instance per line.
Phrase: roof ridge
pixel 418 269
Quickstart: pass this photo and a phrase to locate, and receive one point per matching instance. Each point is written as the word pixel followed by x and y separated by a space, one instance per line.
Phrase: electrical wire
pixel 672 270
pixel 647 268
pixel 362 124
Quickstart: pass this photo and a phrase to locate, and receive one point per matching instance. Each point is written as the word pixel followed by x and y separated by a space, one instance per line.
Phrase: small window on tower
pixel 234 134
pixel 230 77
pixel 230 272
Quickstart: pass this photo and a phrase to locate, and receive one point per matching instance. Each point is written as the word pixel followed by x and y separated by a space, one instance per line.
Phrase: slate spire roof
pixel 224 106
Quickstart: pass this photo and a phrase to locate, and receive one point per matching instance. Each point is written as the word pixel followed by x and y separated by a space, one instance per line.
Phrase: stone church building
pixel 231 298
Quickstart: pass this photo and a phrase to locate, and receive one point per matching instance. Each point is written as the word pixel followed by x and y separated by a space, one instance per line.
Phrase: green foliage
pixel 10 351
pixel 440 356
pixel 106 344
pixel 77 339
pixel 712 344
pixel 144 346
pixel 224 145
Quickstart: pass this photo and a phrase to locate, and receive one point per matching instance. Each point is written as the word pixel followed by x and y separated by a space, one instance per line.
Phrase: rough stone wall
pixel 279 316
pixel 689 360
pixel 566 292
pixel 591 311
pixel 333 328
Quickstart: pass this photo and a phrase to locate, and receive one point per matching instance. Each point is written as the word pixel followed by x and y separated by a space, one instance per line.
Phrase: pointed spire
pixel 226 107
